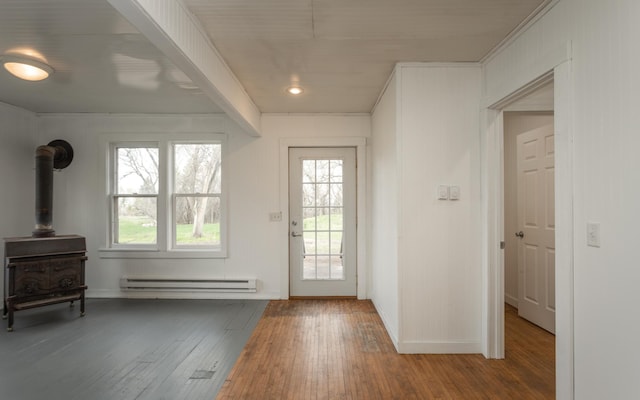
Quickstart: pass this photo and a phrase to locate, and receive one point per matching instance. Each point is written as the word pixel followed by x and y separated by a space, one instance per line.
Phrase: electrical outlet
pixel 593 234
pixel 275 216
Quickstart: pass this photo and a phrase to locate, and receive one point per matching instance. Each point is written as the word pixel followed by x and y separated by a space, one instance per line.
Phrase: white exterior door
pixel 536 223
pixel 322 225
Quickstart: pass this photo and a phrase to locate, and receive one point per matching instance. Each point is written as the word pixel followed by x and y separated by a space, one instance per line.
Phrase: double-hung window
pixel 166 198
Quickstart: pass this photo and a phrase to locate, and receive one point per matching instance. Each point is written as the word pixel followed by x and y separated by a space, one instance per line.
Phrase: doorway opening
pixel 529 207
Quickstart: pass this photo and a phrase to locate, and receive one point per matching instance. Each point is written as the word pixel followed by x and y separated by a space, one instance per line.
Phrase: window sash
pixel 167 244
pixel 211 229
pixel 119 240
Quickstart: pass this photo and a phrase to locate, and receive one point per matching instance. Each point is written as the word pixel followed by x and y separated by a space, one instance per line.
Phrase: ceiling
pixel 340 51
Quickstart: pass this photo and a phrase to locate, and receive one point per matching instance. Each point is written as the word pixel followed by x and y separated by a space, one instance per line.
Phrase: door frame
pixel 493 215
pixel 359 143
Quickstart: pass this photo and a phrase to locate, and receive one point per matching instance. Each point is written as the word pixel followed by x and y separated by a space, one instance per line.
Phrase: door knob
pixel 520 234
pixel 293 234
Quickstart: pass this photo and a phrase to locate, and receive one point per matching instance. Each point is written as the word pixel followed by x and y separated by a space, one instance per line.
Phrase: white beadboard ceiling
pixel 340 51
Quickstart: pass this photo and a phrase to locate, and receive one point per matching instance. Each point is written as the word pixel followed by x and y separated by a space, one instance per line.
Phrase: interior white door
pixel 322 225
pixel 536 221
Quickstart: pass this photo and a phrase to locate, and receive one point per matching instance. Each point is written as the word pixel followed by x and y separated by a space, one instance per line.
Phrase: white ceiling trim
pixel 171 28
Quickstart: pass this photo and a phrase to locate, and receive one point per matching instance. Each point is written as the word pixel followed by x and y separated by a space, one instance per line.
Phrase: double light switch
pixel 446 192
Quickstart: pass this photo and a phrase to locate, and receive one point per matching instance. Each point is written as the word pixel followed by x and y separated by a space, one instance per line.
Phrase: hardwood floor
pixel 302 349
pixel 125 349
pixel 339 349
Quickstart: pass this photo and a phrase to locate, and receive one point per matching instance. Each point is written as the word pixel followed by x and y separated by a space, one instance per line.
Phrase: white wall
pixel 515 123
pixel 440 271
pixel 257 249
pixel 384 210
pixel 429 137
pixel 17 158
pixel 602 112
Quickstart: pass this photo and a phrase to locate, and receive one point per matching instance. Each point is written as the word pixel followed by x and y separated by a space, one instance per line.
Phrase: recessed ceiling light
pixel 26 68
pixel 295 90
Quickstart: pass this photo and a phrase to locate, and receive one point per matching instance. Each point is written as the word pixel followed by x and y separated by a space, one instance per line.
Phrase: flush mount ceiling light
pixel 295 90
pixel 26 68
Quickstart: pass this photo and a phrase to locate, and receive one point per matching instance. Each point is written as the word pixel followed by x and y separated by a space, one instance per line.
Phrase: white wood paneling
pixel 439 271
pixel 596 180
pixel 384 210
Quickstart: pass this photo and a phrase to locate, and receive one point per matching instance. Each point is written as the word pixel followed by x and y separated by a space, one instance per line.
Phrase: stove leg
pixel 10 324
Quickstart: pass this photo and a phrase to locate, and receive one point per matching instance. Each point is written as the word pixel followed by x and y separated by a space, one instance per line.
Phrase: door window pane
pixel 322 193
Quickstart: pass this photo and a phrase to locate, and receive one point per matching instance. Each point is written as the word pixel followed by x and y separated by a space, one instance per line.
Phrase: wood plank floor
pixel 125 349
pixel 339 349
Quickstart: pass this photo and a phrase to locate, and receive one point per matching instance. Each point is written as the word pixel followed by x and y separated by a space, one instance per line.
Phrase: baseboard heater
pixel 130 283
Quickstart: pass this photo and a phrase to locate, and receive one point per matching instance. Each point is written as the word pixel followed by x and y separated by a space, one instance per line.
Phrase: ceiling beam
pixel 173 30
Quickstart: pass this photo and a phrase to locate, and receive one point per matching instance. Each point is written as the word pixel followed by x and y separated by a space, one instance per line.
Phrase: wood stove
pixel 44 269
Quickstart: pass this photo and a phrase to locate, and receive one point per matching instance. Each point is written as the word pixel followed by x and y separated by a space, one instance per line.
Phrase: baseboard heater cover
pixel 131 283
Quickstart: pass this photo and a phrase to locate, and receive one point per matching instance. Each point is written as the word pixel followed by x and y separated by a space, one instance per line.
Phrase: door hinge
pixel 502 245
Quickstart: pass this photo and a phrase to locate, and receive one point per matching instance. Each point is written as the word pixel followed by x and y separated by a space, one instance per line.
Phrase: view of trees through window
pixel 322 209
pixel 194 194
pixel 197 189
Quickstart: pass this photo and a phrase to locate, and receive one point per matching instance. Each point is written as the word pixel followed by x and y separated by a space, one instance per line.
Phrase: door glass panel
pixel 323 220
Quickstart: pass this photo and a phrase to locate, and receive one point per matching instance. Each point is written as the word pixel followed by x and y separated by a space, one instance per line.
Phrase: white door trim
pixel 493 211
pixel 360 144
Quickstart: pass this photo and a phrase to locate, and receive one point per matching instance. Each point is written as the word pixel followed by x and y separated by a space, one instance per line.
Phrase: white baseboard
pixel 440 347
pixel 119 294
pixel 512 301
pixel 390 332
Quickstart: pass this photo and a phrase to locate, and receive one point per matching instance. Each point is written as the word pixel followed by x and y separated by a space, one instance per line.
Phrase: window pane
pixel 336 219
pixel 337 268
pixel 323 267
pixel 308 194
pixel 197 168
pixel 308 170
pixel 137 170
pixel 322 171
pixel 323 242
pixel 309 267
pixel 197 221
pixel 136 220
pixel 336 243
pixel 309 216
pixel 322 194
pixel 323 219
pixel 336 195
pixel 309 243
pixel 336 171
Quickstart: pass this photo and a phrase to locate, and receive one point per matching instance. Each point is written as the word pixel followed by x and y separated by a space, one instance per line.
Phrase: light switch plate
pixel 454 192
pixel 593 234
pixel 443 192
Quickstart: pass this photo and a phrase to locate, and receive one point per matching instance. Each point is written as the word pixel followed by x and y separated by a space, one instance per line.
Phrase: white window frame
pixel 165 246
pixel 174 194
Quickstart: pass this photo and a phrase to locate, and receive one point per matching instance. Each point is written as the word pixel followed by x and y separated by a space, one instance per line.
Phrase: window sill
pixel 157 254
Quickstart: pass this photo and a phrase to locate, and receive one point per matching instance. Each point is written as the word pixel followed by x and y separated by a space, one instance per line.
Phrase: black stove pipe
pixel 57 154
